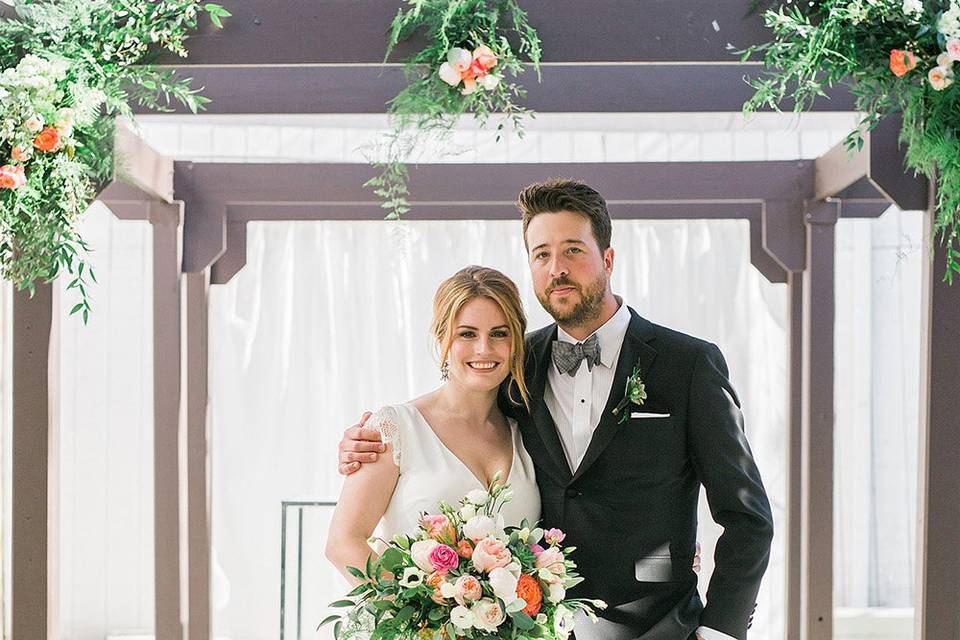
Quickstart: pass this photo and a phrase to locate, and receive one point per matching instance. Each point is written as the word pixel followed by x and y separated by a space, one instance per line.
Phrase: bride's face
pixel 481 348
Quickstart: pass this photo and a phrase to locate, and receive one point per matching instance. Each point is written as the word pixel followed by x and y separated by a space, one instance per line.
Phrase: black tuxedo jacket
pixel 631 506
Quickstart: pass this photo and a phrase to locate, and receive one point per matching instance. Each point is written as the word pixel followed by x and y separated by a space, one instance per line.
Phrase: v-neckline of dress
pixel 513 447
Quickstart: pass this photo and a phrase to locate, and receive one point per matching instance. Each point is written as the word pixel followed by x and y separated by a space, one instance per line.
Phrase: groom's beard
pixel 585 311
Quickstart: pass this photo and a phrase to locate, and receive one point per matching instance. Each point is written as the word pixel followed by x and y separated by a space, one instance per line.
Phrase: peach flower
pixel 12 177
pixel 484 57
pixel 940 78
pixel 901 62
pixel 953 49
pixel 490 554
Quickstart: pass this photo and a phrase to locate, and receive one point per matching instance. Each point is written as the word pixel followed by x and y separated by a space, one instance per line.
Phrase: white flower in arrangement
pixel 489 82
pixel 467 511
pixel 949 23
pixel 478 497
pixel 34 124
pixel 459 59
pixel 940 77
pixel 462 617
pixel 448 589
pixel 420 553
pixel 556 591
pixel 479 527
pixel 504 584
pixel 563 622
pixel 913 9
pixel 412 577
pixel 943 60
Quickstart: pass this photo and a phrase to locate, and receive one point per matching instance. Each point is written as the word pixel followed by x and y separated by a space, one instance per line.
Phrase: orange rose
pixel 464 549
pixel 529 589
pixel 48 140
pixel 901 62
pixel 434 579
pixel 19 154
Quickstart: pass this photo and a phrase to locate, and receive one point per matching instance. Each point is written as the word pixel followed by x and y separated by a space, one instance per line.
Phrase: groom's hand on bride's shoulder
pixel 359 445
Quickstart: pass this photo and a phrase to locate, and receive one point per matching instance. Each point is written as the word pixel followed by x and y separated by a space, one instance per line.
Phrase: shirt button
pixel 573 493
pixel 582 400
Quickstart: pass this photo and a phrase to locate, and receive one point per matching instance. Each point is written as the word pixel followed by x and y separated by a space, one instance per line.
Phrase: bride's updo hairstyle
pixel 482 282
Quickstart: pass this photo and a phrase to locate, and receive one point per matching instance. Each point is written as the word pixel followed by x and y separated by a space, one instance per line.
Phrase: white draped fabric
pixel 300 342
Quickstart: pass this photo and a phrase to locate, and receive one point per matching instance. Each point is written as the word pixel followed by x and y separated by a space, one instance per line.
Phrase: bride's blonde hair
pixel 482 282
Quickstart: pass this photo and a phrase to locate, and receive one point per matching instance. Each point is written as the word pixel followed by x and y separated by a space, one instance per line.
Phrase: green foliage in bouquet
pixel 69 68
pixel 468 66
pixel 893 55
pixel 465 575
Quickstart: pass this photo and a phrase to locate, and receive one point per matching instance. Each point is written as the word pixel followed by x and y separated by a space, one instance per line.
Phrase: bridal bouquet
pixel 465 575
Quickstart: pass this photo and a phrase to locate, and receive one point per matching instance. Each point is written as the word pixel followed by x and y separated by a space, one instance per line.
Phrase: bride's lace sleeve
pixel 387 421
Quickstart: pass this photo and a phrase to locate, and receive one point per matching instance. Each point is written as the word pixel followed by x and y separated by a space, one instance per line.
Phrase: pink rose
pixel 490 554
pixel 438 528
pixel 537 549
pixel 554 536
pixel 552 560
pixel 484 57
pixel 12 177
pixel 443 558
pixel 468 590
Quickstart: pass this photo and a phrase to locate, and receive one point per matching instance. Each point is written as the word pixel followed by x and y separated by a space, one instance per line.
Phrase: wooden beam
pixel 794 460
pixel 938 575
pixel 594 88
pixel 165 220
pixel 494 184
pixel 816 518
pixel 288 32
pixel 35 437
pixel 198 458
pixel 140 166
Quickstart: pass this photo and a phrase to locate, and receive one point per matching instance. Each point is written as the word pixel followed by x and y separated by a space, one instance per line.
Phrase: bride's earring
pixel 445 371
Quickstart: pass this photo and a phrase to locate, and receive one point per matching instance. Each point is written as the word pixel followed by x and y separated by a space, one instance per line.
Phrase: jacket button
pixel 573 493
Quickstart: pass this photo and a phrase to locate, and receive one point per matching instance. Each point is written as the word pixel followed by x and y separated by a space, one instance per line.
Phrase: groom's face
pixel 570 271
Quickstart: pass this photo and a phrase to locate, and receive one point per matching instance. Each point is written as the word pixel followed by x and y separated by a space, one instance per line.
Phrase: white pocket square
pixel 639 414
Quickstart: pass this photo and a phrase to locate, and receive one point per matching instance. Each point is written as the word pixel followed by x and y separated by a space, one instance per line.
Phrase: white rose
pixel 420 552
pixel 461 617
pixel 448 74
pixel 467 511
pixel 478 497
pixel 479 527
pixel 488 615
pixel 34 124
pixel 412 577
pixel 489 82
pixel 504 584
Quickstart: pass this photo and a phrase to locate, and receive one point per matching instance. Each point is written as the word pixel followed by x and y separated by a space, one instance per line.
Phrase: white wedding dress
pixel 429 472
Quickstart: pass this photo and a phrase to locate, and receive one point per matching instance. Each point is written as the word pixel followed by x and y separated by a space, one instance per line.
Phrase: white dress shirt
pixel 576 402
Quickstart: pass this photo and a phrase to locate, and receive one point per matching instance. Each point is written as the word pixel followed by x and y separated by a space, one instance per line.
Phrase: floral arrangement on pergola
pixel 893 55
pixel 69 68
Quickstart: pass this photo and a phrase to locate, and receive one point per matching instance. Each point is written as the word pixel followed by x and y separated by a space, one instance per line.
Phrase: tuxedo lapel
pixel 539 360
pixel 634 350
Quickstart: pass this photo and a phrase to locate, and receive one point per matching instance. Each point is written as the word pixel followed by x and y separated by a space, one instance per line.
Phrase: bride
pixel 452 440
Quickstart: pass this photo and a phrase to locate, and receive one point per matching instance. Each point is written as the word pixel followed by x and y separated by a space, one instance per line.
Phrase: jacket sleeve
pixel 738 502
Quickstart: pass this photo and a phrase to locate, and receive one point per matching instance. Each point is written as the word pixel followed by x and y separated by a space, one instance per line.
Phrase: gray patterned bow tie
pixel 568 356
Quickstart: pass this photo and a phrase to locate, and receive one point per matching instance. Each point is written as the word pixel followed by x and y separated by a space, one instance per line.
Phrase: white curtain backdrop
pixel 328 319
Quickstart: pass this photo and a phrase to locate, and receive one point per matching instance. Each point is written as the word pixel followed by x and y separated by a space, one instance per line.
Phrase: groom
pixel 620 472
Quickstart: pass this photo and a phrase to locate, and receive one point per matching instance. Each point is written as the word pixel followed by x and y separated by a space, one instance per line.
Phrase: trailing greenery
pixel 893 55
pixel 468 66
pixel 69 67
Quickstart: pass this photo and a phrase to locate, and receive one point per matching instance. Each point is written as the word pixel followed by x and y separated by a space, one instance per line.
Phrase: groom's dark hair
pixel 560 194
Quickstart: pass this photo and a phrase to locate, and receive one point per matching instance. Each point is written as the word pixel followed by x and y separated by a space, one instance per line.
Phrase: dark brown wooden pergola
pixel 323 56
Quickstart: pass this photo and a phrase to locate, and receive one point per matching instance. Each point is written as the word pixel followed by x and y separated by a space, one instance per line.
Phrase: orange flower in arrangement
pixel 48 140
pixel 901 62
pixel 20 154
pixel 465 549
pixel 12 176
pixel 529 589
